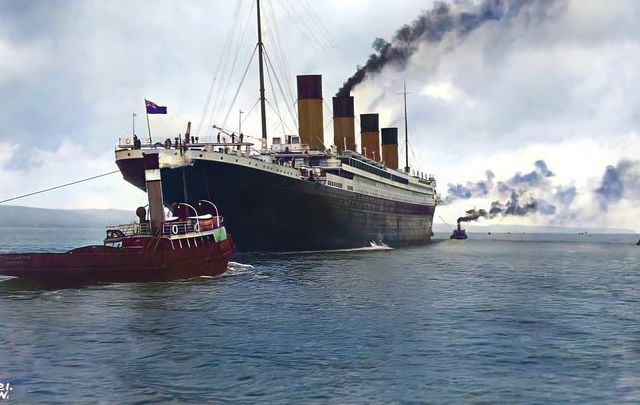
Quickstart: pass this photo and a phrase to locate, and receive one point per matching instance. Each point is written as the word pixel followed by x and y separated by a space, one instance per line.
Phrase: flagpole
pixel 148 125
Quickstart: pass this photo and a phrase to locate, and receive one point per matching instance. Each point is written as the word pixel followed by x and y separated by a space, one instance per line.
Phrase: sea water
pixel 497 318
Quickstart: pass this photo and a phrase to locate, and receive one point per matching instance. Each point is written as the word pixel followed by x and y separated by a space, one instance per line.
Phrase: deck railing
pixel 133 229
pixel 191 225
pixel 168 228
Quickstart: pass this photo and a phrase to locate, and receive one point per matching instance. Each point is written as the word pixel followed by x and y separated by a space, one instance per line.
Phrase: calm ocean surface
pixel 501 318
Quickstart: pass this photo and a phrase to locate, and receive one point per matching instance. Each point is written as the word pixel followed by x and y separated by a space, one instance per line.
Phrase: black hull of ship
pixel 270 212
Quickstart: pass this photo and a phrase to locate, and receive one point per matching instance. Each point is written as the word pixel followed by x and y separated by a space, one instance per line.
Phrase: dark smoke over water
pixel 519 193
pixel 470 190
pixel 522 182
pixel 432 26
pixel 619 181
pixel 533 193
pixel 521 206
pixel 473 215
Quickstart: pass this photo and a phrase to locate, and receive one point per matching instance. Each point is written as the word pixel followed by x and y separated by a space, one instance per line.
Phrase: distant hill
pixel 28 217
pixel 12 216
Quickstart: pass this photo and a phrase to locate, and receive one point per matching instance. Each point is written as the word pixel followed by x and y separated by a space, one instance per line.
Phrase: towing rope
pixel 57 187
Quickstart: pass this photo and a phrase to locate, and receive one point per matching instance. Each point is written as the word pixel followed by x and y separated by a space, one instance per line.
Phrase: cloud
pixel 69 162
pixel 619 182
pixel 556 81
pixel 433 26
pixel 520 195
pixel 536 195
pixel 532 79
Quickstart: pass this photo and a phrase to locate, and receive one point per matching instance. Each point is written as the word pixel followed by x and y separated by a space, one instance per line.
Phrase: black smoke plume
pixel 473 215
pixel 520 206
pixel 516 205
pixel 533 193
pixel 470 190
pixel 520 194
pixel 617 182
pixel 431 26
pixel 518 184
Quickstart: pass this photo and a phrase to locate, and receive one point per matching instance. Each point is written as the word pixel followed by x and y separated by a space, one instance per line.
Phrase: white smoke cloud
pixel 558 82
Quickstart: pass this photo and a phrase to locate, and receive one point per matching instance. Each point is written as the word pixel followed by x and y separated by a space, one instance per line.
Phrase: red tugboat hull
pixel 104 264
pixel 155 249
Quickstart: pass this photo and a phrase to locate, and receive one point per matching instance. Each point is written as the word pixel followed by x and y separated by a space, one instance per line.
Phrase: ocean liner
pixel 299 194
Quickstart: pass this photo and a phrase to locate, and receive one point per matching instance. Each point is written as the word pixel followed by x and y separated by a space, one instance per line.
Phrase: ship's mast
pixel 263 113
pixel 406 132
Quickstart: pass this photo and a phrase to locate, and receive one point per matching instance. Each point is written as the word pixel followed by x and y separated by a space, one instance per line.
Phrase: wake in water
pixel 237 269
pixel 236 265
pixel 373 247
pixel 234 269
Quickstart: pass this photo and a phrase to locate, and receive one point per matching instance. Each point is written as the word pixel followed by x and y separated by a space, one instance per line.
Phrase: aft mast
pixel 263 113
pixel 407 169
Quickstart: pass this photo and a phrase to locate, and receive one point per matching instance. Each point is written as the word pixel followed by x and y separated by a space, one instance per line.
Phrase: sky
pixel 551 81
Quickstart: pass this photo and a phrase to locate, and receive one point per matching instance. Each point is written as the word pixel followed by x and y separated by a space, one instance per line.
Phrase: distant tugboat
pixel 472 215
pixel 459 233
pixel 158 249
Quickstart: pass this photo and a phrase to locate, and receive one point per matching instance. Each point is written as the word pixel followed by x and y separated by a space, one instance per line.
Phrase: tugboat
pixel 472 215
pixel 158 249
pixel 459 233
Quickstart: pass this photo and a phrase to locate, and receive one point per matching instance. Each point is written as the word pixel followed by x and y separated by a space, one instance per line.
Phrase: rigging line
pixel 417 162
pixel 275 99
pixel 418 167
pixel 250 111
pixel 234 63
pixel 305 25
pixel 314 17
pixel 274 125
pixel 57 187
pixel 310 22
pixel 224 73
pixel 235 97
pixel 293 116
pixel 226 44
pixel 329 112
pixel 311 25
pixel 294 107
pixel 446 223
pixel 329 122
pixel 328 109
pixel 280 56
pixel 227 72
pixel 296 18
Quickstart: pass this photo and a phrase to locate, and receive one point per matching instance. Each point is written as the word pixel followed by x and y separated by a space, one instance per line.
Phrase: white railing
pixel 127 230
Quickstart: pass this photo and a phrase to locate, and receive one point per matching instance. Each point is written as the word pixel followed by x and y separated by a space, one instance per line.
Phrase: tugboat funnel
pixel 153 181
